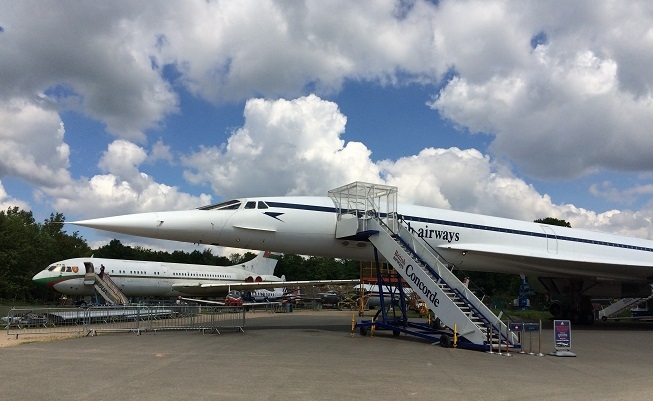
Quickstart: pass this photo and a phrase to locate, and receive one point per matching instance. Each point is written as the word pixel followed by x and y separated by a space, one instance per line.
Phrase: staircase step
pixel 466 311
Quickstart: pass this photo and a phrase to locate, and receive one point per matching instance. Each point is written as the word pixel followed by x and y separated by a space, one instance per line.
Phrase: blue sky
pixel 517 109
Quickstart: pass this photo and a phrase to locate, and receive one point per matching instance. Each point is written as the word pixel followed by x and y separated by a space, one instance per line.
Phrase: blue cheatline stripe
pixel 327 209
pixel 524 233
pixel 297 206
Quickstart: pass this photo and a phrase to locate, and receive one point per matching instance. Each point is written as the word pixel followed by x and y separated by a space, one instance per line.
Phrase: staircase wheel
pixel 363 331
pixel 445 341
pixel 436 324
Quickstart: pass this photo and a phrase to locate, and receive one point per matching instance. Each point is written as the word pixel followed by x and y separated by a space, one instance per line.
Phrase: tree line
pixel 27 247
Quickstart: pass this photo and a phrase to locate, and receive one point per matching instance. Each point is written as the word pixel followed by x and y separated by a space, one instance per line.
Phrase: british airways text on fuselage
pixel 427 233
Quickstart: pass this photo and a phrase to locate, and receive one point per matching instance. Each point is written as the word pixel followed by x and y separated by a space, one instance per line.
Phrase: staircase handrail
pixel 115 289
pixel 477 290
pixel 111 288
pixel 105 292
pixel 420 247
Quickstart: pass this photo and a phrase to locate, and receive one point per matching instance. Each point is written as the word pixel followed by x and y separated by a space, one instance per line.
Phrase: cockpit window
pixel 228 205
pixel 262 205
pixel 52 268
pixel 250 205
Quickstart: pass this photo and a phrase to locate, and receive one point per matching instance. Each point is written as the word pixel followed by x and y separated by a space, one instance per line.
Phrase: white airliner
pixel 569 262
pixel 158 279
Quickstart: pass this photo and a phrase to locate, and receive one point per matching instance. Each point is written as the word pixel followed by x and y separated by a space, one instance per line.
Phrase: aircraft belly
pixel 543 267
pixel 142 287
pixel 323 245
pixel 74 287
pixel 501 252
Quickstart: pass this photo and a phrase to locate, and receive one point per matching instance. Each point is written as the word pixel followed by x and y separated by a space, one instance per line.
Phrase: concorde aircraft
pixel 137 278
pixel 573 264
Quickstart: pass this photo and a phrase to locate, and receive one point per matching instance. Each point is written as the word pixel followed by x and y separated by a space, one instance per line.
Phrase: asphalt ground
pixel 314 356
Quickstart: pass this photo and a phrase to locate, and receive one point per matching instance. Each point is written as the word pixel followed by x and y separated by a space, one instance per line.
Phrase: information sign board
pixel 562 334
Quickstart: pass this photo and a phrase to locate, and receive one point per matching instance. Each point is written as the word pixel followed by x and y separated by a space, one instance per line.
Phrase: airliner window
pixel 228 205
pixel 250 205
pixel 262 205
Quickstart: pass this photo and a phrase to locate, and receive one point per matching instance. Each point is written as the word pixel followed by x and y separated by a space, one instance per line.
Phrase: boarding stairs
pixel 451 300
pixel 106 287
pixel 619 306
pixel 423 269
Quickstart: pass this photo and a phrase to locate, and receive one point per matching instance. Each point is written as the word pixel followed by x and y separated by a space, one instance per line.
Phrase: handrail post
pixel 490 338
pixel 499 335
pixel 539 341
pixel 508 338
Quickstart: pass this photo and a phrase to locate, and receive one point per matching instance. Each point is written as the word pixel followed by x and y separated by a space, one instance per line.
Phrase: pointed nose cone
pixel 141 224
pixel 187 225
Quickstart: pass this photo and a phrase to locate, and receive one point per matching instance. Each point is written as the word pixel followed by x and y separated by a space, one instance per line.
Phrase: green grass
pixel 527 315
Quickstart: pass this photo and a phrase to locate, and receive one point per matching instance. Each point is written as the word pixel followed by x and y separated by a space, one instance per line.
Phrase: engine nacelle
pixel 263 278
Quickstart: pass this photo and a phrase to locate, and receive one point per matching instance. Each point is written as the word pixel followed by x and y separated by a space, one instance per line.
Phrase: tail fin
pixel 263 264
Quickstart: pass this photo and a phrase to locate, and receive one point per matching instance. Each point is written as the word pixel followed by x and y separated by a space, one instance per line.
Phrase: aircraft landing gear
pixel 583 315
pixel 570 300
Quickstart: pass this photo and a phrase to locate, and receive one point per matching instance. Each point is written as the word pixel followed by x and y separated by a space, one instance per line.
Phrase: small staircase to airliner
pixel 104 286
pixel 369 211
pixel 109 290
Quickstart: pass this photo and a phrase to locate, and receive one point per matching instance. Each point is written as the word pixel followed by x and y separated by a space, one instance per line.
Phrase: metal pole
pixel 499 335
pixel 361 291
pixel 490 339
pixel 508 338
pixel 353 324
pixel 539 341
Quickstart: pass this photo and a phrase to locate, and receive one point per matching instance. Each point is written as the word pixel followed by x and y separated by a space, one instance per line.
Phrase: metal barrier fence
pixel 128 318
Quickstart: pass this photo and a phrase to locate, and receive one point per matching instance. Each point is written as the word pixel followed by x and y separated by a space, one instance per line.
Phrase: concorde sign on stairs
pixel 439 288
pixel 421 267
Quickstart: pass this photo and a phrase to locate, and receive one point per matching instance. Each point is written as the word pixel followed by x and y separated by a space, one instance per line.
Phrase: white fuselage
pixel 142 278
pixel 307 225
